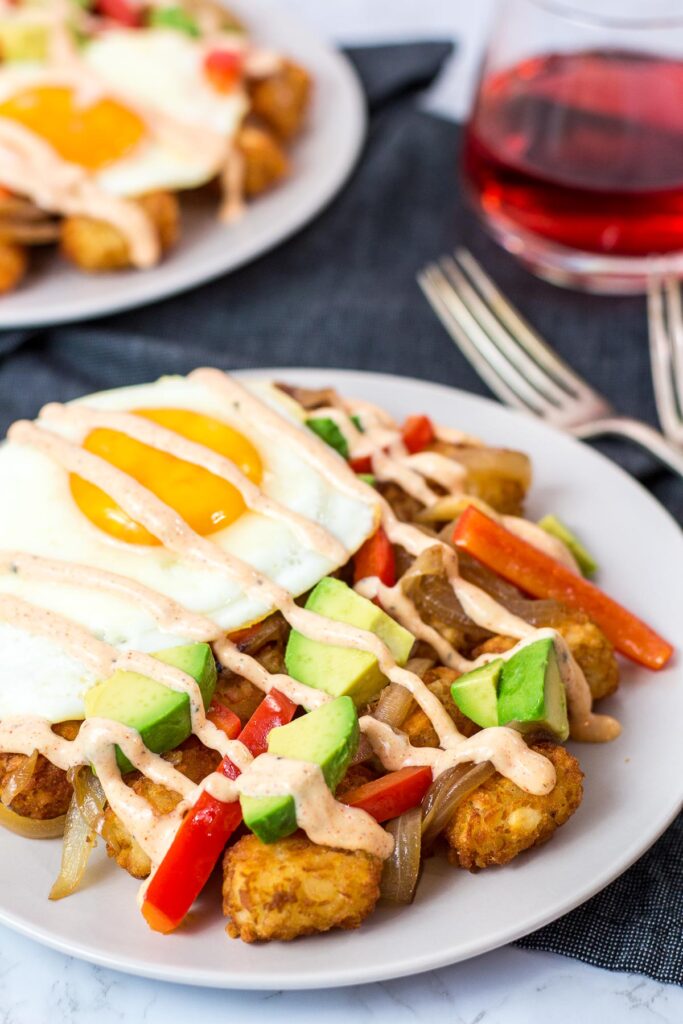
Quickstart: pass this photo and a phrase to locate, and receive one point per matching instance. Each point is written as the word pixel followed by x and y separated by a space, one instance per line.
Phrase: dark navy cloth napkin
pixel 342 293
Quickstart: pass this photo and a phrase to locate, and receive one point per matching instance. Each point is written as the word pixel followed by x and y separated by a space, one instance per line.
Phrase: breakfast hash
pixel 109 109
pixel 272 631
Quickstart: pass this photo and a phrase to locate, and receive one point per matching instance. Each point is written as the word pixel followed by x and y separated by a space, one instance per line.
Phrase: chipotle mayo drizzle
pixel 317 812
pixel 30 167
pixel 480 607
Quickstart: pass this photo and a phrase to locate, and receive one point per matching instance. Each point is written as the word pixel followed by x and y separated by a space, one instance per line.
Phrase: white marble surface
pixel 508 986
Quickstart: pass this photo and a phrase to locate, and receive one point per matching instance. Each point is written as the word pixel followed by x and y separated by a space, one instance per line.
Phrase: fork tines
pixel 503 348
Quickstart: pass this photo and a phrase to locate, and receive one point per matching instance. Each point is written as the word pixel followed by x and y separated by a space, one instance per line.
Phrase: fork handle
pixel 635 430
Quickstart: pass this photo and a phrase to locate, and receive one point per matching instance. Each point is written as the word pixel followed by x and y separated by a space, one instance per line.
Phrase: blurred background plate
pixel 322 159
pixel 633 786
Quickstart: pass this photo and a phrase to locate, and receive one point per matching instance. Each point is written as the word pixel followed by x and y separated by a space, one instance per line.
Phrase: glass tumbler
pixel 573 155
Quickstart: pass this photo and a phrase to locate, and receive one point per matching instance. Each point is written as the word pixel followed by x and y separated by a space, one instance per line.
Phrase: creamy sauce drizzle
pixel 325 820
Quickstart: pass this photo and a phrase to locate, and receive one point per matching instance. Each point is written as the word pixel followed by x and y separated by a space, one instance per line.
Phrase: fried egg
pixel 47 512
pixel 141 117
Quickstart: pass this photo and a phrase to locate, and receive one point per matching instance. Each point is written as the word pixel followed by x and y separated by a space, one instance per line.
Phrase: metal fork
pixel 519 366
pixel 665 321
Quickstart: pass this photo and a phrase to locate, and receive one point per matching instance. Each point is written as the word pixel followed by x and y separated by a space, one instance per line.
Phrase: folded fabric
pixel 343 293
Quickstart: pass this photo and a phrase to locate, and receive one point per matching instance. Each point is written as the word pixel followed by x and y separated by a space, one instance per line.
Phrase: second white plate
pixel 322 159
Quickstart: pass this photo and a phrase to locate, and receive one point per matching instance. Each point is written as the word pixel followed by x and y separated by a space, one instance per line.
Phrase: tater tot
pixel 265 161
pixel 282 99
pixel 499 820
pixel 95 245
pixel 293 887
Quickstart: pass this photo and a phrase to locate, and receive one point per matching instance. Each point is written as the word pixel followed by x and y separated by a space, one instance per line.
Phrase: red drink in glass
pixel 573 155
pixel 585 149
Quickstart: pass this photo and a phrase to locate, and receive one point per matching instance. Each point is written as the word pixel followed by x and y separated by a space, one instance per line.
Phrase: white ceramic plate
pixel 55 292
pixel 633 787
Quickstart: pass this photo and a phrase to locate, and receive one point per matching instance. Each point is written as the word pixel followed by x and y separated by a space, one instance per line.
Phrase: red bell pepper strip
pixel 124 11
pixel 375 558
pixel 206 828
pixel 418 432
pixel 391 795
pixel 362 465
pixel 223 68
pixel 541 576
pixel 224 719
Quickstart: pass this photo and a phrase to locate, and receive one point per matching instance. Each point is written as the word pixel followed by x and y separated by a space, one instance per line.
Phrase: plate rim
pixel 179 277
pixel 406 966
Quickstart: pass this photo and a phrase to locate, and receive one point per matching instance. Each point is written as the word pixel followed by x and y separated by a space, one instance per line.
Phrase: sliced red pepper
pixel 541 576
pixel 224 719
pixel 375 558
pixel 418 432
pixel 393 794
pixel 206 828
pixel 362 465
pixel 223 68
pixel 123 11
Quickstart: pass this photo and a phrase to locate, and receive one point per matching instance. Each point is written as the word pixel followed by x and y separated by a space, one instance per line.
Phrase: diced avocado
pixel 160 715
pixel 174 18
pixel 328 737
pixel 344 670
pixel 21 40
pixel 328 431
pixel 531 691
pixel 476 693
pixel 556 528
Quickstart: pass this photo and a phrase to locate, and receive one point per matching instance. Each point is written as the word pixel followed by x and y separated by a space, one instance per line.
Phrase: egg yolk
pixel 90 135
pixel 206 502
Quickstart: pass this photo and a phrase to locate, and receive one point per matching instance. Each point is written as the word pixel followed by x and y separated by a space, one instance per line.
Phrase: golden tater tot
pixel 499 820
pixel 293 887
pixel 48 793
pixel 13 266
pixel 282 99
pixel 95 245
pixel 265 161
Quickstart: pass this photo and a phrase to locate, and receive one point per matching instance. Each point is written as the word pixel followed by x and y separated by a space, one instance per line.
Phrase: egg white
pixel 162 70
pixel 38 516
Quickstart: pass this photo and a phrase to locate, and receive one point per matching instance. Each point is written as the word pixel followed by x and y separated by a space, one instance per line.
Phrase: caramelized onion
pixel 19 779
pixel 393 706
pixel 269 630
pixel 89 797
pixel 402 868
pixel 420 666
pixel 502 462
pixel 447 792
pixel 79 842
pixel 449 507
pixel 31 828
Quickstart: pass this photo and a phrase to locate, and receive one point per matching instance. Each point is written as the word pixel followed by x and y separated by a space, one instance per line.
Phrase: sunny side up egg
pixel 46 512
pixel 144 116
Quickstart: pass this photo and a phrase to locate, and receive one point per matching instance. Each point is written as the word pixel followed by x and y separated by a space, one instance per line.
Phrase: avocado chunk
pixel 21 40
pixel 344 670
pixel 531 691
pixel 328 737
pixel 159 714
pixel 476 693
pixel 556 528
